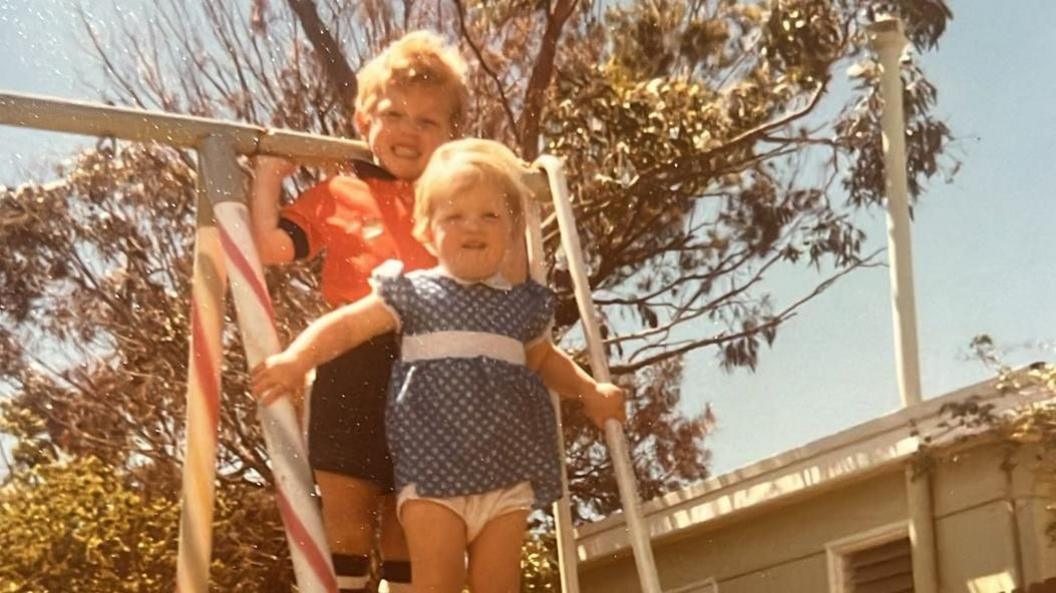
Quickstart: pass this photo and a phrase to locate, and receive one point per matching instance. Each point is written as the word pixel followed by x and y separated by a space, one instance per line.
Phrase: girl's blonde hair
pixel 417 58
pixel 459 164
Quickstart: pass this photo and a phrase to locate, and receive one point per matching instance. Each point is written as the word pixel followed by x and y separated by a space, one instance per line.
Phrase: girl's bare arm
pixel 323 340
pixel 601 401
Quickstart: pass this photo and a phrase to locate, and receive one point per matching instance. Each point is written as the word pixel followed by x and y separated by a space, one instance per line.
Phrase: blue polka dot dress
pixel 465 415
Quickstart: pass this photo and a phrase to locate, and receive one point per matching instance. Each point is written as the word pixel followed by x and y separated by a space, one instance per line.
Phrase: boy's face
pixel 409 123
pixel 471 230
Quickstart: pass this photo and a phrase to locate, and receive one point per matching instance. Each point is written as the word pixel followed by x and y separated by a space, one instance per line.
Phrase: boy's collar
pixel 368 170
pixel 496 281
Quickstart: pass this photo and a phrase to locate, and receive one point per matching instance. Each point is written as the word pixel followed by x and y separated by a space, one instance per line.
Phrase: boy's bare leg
pixel 436 537
pixel 349 514
pixel 395 557
pixel 495 555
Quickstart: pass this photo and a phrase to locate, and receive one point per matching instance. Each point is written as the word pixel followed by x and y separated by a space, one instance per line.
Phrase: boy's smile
pixel 409 122
pixel 406 152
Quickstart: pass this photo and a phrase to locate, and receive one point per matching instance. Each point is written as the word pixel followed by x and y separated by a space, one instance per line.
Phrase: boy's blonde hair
pixel 417 58
pixel 462 163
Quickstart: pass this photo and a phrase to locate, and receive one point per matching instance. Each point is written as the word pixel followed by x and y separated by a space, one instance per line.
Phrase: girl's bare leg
pixel 436 537
pixel 495 554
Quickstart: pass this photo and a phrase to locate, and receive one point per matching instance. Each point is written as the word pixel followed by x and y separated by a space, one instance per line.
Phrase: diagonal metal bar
pixel 614 437
pixel 566 537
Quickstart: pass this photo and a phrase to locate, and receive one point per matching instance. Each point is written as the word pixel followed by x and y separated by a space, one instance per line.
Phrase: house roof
pixel 852 454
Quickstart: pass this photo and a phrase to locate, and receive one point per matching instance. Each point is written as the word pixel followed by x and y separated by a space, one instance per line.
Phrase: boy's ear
pixel 362 122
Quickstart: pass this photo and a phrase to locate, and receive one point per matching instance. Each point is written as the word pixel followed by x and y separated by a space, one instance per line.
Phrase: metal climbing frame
pixel 224 251
pixel 614 437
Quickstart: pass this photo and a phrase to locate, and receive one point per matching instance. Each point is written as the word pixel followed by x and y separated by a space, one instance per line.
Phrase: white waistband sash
pixel 461 344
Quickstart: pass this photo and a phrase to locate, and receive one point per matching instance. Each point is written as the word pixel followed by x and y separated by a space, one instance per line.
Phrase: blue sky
pixel 983 245
pixel 983 256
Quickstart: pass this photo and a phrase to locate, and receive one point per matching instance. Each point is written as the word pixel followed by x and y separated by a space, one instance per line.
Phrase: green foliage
pixel 804 38
pixel 688 136
pixel 1030 423
pixel 539 564
pixel 80 525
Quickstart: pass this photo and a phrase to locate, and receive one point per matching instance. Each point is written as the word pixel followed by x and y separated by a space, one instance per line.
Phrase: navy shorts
pixel 346 418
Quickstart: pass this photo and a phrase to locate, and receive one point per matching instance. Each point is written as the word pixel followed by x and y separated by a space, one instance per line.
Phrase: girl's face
pixel 472 230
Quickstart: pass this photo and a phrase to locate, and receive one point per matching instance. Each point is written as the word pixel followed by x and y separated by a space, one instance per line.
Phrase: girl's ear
pixel 520 225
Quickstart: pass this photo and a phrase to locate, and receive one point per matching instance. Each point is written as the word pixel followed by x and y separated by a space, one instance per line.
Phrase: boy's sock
pixel 397 574
pixel 353 572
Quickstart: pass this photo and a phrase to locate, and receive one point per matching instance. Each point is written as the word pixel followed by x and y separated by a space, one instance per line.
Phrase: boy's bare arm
pixel 601 401
pixel 323 340
pixel 273 244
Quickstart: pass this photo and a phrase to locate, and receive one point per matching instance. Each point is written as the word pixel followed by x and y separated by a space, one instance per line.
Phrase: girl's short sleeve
pixel 394 289
pixel 541 318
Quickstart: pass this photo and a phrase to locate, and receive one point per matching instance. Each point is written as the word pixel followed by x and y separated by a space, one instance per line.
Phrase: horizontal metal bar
pixel 185 131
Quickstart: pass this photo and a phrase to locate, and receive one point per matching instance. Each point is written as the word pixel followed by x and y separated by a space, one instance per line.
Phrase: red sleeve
pixel 306 219
pixel 306 213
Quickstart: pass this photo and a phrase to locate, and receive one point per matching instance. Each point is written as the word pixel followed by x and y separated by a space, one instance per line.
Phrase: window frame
pixel 837 551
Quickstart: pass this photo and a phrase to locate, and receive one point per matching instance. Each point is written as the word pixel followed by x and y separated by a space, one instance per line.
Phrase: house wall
pixel 974 525
pixel 1034 489
pixel 767 553
pixel 990 527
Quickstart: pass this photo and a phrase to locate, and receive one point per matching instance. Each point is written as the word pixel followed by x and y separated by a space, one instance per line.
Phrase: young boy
pixel 411 99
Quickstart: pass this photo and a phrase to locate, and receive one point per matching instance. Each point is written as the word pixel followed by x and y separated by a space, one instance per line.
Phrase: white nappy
pixel 476 510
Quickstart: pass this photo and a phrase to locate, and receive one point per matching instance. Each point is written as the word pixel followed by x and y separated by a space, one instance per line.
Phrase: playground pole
pixel 615 439
pixel 294 487
pixel 183 131
pixel 208 284
pixel 566 536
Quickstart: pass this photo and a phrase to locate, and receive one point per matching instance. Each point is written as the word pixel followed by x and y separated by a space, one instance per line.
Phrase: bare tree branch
pixel 337 68
pixel 539 82
pixel 503 99
pixel 777 319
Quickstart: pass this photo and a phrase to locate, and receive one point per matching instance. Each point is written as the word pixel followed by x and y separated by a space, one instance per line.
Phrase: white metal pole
pixel 294 485
pixel 566 537
pixel 208 284
pixel 614 437
pixel 889 41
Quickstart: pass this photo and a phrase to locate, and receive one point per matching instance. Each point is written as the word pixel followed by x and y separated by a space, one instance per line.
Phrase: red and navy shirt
pixel 360 222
